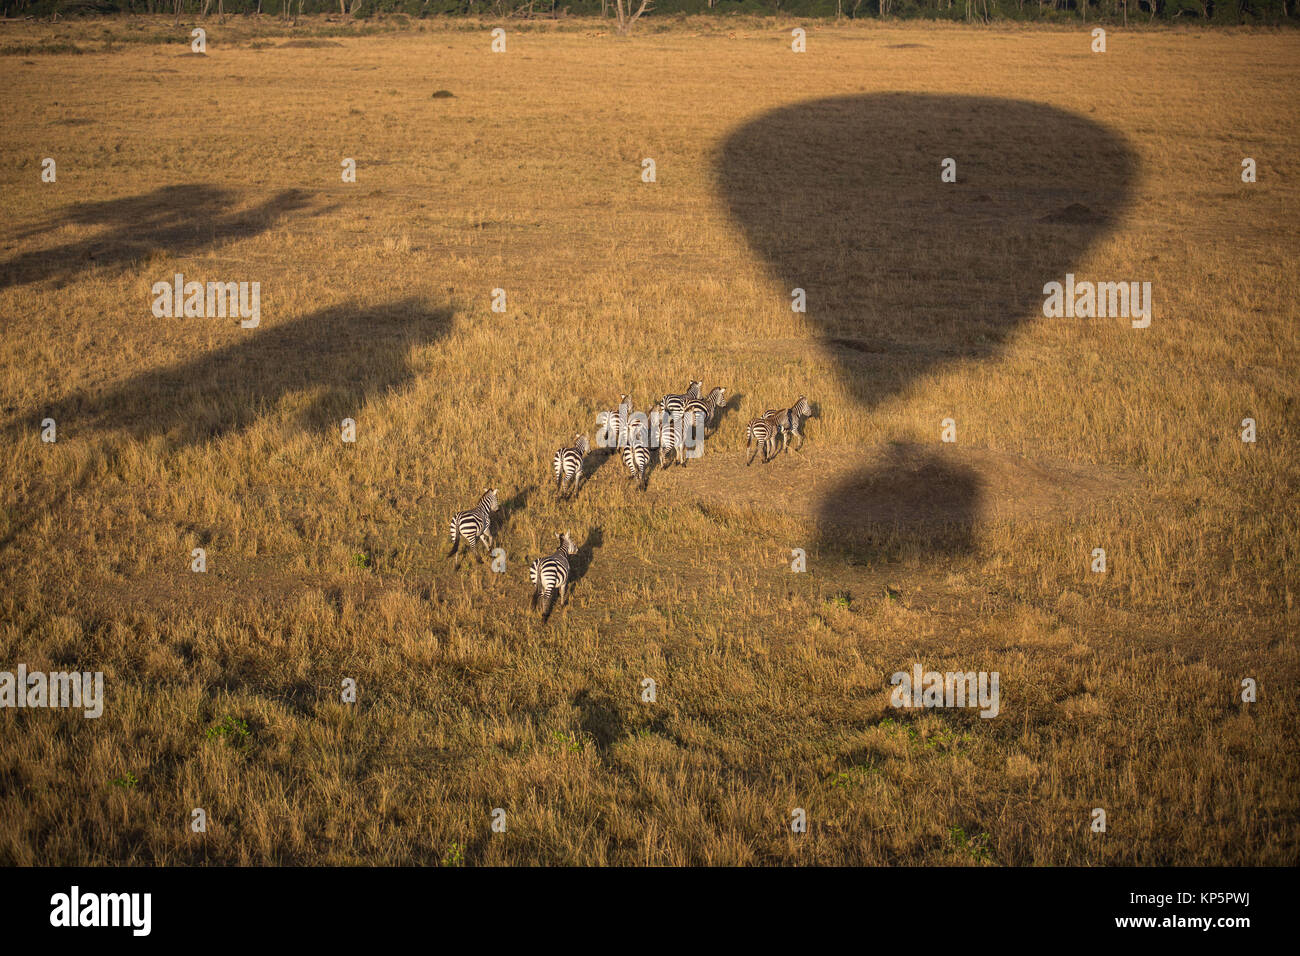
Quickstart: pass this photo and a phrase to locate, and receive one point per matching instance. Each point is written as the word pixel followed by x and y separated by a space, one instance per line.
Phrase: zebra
pixel 699 413
pixel 706 407
pixel 636 456
pixel 567 465
pixel 762 433
pixel 475 525
pixel 668 431
pixel 550 575
pixel 789 420
pixel 615 422
pixel 676 404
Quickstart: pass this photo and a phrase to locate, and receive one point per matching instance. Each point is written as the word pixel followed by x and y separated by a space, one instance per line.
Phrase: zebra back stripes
pixel 636 458
pixel 706 408
pixel 668 429
pixel 567 464
pixel 789 420
pixel 475 525
pixel 613 423
pixel 762 433
pixel 676 404
pixel 696 418
pixel 550 575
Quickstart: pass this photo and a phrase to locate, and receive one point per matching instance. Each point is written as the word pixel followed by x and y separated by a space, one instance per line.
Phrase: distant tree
pixel 625 15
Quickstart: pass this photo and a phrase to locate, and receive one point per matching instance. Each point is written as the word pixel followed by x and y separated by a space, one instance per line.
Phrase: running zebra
pixel 475 525
pixel 762 433
pixel 550 575
pixel 789 420
pixel 567 465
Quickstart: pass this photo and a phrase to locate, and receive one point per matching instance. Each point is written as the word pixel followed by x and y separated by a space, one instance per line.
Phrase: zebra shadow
pixel 593 463
pixel 513 505
pixel 906 274
pixel 732 407
pixel 340 357
pixel 174 220
pixel 580 563
pixel 599 720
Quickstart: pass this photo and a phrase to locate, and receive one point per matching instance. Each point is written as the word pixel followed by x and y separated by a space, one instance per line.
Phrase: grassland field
pixel 327 560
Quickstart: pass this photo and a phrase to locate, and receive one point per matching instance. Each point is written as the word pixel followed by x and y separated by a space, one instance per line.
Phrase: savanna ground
pixel 327 561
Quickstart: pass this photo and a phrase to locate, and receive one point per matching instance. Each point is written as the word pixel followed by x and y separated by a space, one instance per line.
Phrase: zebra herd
pixel 676 425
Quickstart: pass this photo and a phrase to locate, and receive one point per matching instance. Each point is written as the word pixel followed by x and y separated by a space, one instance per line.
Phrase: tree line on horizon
pixel 1103 11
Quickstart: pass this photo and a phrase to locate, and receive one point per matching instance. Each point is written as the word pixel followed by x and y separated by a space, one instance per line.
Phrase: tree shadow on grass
pixel 341 357
pixel 842 197
pixel 170 220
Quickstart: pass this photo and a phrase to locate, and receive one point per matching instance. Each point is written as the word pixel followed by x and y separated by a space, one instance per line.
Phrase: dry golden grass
pixel 326 561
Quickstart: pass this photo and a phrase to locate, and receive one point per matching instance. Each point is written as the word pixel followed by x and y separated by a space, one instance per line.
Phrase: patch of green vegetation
pixel 942 739
pixel 976 847
pixel 841 599
pixel 455 855
pixel 230 729
pixel 566 741
pixel 853 777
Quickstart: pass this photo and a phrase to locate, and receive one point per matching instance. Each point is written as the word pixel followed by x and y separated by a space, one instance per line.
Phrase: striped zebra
pixel 667 430
pixel 705 409
pixel 474 526
pixel 676 404
pixel 636 456
pixel 762 433
pixel 550 575
pixel 567 465
pixel 615 424
pixel 699 413
pixel 789 420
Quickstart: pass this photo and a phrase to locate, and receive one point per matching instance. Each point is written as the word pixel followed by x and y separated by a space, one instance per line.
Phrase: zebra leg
pixel 532 602
pixel 548 604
